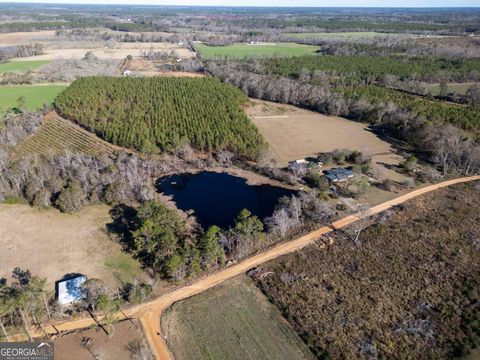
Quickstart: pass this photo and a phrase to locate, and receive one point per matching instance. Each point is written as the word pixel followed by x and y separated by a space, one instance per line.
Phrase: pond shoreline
pixel 217 197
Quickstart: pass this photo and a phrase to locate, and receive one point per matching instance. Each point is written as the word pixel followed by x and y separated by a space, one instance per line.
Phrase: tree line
pixel 159 237
pixel 355 70
pixel 11 52
pixel 152 114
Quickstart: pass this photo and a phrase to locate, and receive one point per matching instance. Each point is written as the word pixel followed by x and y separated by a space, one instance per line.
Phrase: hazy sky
pixel 327 3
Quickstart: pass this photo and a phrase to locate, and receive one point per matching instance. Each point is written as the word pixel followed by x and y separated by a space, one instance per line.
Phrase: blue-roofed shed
pixel 70 289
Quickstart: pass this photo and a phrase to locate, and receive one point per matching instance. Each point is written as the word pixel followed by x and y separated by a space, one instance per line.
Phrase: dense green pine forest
pixel 151 114
pixel 356 70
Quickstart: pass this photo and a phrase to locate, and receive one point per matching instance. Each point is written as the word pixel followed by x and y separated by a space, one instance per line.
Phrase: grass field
pixel 51 244
pixel 459 88
pixel 295 133
pixel 340 35
pixel 57 135
pixel 232 321
pixel 35 95
pixel 242 50
pixel 21 66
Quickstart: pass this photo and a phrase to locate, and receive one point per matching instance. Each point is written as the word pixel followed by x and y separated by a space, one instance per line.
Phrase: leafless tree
pixel 363 216
pixel 139 350
pixel 225 158
pixel 298 170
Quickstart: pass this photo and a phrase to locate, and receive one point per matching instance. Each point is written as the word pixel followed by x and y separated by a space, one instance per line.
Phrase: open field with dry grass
pixel 21 38
pixel 51 244
pixel 295 133
pixel 126 336
pixel 57 135
pixel 121 51
pixel 232 321
pixel 59 48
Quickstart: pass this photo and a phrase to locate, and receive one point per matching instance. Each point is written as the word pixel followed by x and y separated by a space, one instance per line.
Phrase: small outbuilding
pixel 338 174
pixel 69 290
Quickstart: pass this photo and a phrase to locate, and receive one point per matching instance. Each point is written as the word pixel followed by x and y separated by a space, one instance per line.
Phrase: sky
pixel 314 3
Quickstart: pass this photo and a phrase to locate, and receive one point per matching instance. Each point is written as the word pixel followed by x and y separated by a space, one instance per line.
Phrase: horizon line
pixel 237 6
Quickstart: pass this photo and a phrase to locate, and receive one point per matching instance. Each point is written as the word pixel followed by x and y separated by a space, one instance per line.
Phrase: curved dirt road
pixel 150 313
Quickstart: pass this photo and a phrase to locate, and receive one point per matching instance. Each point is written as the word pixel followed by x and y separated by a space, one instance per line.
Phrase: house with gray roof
pixel 338 174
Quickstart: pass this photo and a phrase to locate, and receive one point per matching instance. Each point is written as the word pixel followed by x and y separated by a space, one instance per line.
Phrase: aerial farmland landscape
pixel 237 180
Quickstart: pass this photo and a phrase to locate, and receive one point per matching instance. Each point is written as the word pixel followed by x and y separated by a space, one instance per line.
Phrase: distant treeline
pixel 354 70
pixel 161 113
pixel 79 23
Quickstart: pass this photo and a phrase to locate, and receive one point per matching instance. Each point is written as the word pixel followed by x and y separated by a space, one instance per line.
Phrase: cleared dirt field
pixel 145 67
pixel 232 321
pixel 52 244
pixel 57 135
pixel 294 133
pixel 117 347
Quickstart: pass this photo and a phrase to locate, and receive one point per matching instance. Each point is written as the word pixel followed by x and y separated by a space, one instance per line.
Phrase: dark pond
pixel 217 198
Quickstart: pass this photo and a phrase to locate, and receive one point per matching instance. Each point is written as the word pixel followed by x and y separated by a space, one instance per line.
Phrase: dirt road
pixel 150 313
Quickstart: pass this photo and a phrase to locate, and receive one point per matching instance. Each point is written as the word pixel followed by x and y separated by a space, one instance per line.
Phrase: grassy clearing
pixel 51 244
pixel 232 321
pixel 241 50
pixel 35 95
pixel 124 267
pixel 21 66
pixel 340 35
pixel 459 88
pixel 57 135
pixel 293 133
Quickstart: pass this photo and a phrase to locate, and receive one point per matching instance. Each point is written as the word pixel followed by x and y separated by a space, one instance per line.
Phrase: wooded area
pixel 152 114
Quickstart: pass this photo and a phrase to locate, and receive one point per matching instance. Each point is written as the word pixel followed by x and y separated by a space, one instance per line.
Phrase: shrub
pixel 315 180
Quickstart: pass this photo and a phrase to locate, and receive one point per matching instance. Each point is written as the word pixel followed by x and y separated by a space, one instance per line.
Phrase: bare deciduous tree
pixel 363 216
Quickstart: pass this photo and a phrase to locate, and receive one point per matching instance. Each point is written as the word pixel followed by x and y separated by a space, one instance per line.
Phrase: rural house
pixel 338 174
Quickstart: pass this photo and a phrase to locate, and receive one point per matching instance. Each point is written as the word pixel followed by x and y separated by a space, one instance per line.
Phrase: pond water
pixel 217 198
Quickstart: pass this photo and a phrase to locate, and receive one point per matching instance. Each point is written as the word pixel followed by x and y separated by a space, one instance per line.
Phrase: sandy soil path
pixel 150 313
